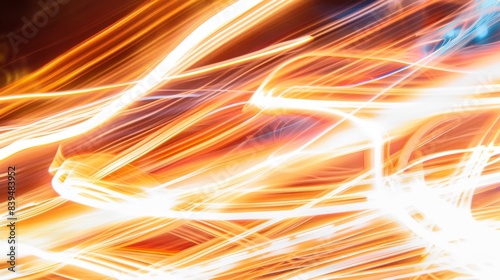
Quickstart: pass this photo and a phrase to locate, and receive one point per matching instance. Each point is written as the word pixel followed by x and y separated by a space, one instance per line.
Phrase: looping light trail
pixel 255 141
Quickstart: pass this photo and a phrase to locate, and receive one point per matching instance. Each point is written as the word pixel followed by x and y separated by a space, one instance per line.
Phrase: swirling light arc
pixel 332 153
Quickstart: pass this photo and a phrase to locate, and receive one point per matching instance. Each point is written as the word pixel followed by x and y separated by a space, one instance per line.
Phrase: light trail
pixel 253 140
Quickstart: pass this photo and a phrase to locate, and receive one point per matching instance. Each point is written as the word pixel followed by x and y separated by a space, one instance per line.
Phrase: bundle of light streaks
pixel 358 145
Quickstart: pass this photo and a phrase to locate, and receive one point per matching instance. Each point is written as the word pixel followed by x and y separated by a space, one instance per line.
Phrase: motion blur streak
pixel 250 140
